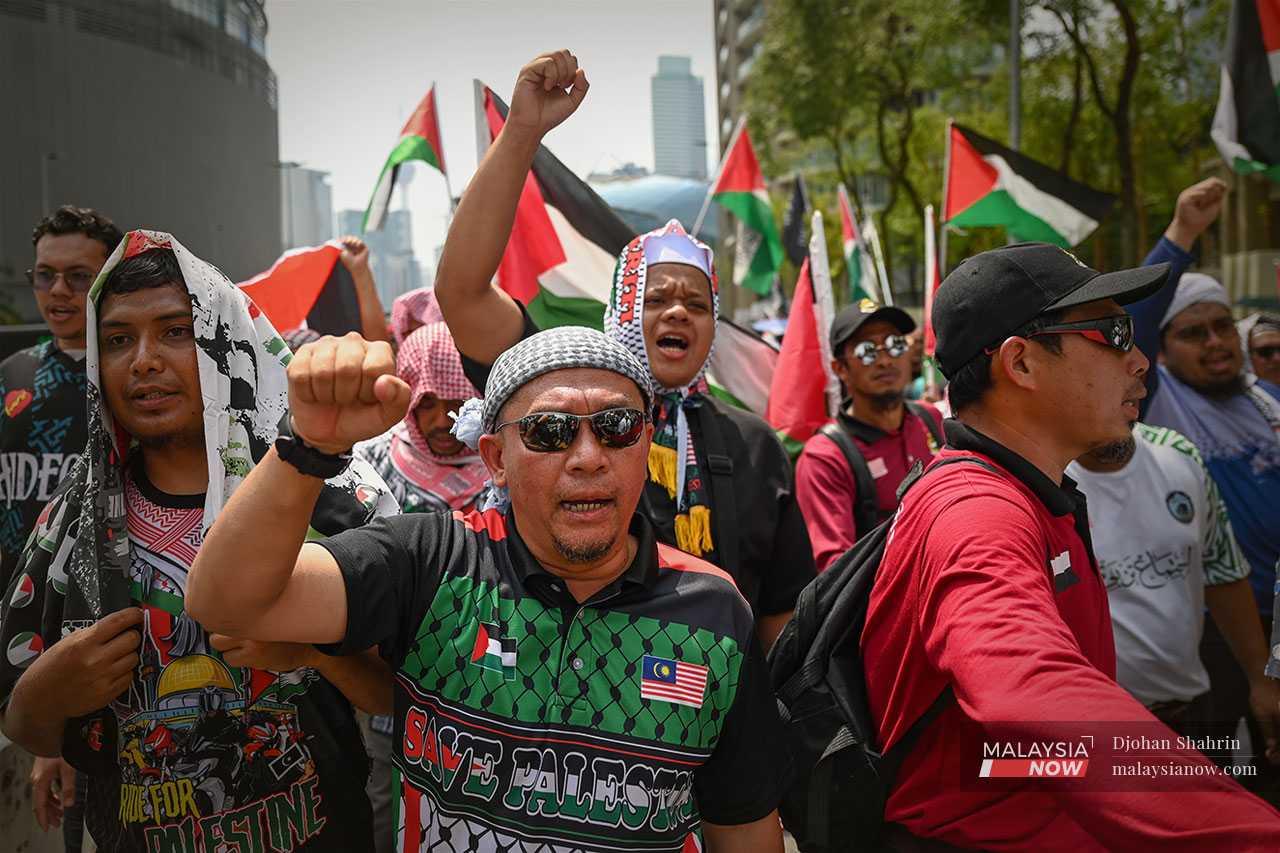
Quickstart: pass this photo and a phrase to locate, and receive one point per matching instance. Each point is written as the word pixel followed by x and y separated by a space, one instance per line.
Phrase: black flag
pixel 793 239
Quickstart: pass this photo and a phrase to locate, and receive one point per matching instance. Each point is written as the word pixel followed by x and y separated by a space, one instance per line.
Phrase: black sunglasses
pixel 1266 353
pixel 1115 331
pixel 549 432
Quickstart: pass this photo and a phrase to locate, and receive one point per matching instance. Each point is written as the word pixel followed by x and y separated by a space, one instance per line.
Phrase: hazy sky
pixel 351 71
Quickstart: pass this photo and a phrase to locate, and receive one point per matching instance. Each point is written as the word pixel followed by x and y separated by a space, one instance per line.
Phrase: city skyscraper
pixel 306 202
pixel 395 269
pixel 679 120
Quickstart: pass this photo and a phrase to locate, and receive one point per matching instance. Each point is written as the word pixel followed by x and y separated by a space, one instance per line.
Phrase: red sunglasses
pixel 1115 332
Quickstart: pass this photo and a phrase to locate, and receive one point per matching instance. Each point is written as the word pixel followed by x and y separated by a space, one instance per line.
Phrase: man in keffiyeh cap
pixel 181 732
pixel 517 633
pixel 427 468
pixel 720 485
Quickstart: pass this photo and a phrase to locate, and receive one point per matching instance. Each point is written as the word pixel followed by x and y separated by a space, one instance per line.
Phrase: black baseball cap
pixel 992 295
pixel 852 317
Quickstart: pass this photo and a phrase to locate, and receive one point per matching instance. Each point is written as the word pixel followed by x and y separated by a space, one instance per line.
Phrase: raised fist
pixel 547 92
pixel 344 390
pixel 1197 207
pixel 355 254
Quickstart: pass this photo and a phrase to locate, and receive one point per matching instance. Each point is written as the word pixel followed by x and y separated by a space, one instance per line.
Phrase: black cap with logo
pixel 852 317
pixel 991 296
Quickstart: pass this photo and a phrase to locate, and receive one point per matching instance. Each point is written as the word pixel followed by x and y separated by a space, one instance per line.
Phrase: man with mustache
pixel 721 486
pixel 1166 550
pixel 988 615
pixel 1201 390
pixel 563 680
pixel 848 475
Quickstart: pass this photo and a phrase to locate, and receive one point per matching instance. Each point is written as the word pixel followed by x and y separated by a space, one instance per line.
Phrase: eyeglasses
pixel 78 280
pixel 894 345
pixel 1115 332
pixel 549 432
pixel 1265 353
pixel 1223 327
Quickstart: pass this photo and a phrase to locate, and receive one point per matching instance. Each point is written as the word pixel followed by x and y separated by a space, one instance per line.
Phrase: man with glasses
pixel 564 681
pixel 1201 389
pixel 43 428
pixel 848 475
pixel 988 616
pixel 1264 348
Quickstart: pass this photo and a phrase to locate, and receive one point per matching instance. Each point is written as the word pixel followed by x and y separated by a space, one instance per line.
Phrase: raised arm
pixel 373 316
pixel 1196 209
pixel 484 319
pixel 252 576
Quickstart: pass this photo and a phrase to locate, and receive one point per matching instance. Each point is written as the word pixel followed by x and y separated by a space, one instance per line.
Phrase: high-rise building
pixel 306 206
pixel 679 120
pixel 159 114
pixel 395 269
pixel 739 32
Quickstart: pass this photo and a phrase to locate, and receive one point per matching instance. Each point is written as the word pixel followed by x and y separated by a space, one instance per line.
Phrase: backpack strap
pixel 892 758
pixel 923 414
pixel 723 499
pixel 865 512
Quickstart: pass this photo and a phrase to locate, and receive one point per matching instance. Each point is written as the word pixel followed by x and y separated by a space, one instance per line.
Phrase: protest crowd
pixel 453 582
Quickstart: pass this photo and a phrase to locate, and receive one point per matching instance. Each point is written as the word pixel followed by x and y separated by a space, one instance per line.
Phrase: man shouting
pixel 563 681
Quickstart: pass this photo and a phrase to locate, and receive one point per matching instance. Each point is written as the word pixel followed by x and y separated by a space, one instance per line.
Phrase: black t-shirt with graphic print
pixel 43 430
pixel 198 754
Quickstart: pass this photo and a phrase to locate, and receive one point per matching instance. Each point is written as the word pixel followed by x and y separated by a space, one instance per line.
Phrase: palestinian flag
pixel 419 140
pixel 739 188
pixel 741 367
pixel 793 241
pixel 804 394
pixel 308 288
pixel 1246 125
pixel 494 652
pixel 857 260
pixel 989 185
pixel 23 592
pixel 24 648
pixel 565 240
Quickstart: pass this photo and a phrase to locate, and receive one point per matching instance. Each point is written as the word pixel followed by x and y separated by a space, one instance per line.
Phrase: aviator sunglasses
pixel 894 345
pixel 549 432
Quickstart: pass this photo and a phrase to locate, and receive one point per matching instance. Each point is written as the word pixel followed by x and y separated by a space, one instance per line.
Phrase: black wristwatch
pixel 309 460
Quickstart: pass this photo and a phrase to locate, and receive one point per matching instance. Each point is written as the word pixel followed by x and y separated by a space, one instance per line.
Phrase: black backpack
pixel 866 514
pixel 816 672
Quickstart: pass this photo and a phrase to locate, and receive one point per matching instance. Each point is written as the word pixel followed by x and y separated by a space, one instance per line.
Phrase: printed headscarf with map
pixel 673 461
pixel 78 566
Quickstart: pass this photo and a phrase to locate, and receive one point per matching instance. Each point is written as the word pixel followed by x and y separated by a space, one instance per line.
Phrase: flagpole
pixel 706 202
pixel 886 290
pixel 942 219
pixel 823 305
pixel 448 188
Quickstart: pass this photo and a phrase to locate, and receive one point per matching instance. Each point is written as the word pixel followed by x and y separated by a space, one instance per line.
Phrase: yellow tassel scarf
pixel 693 529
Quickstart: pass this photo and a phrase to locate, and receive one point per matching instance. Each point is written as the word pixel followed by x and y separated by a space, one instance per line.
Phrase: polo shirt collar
pixel 1059 500
pixel 643 570
pixel 865 432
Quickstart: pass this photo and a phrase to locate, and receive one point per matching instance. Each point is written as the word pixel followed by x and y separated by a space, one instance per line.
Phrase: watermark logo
pixel 1049 759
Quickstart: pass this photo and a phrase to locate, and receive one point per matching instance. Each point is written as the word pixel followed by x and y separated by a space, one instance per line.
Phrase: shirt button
pixel 577 664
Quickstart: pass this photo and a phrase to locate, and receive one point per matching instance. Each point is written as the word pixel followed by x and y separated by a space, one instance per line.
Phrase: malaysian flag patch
pixel 673 681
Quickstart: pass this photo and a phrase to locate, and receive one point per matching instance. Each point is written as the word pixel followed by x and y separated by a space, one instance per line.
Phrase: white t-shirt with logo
pixel 1161 534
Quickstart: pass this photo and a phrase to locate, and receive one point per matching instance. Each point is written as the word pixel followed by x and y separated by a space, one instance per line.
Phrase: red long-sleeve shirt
pixel 988 587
